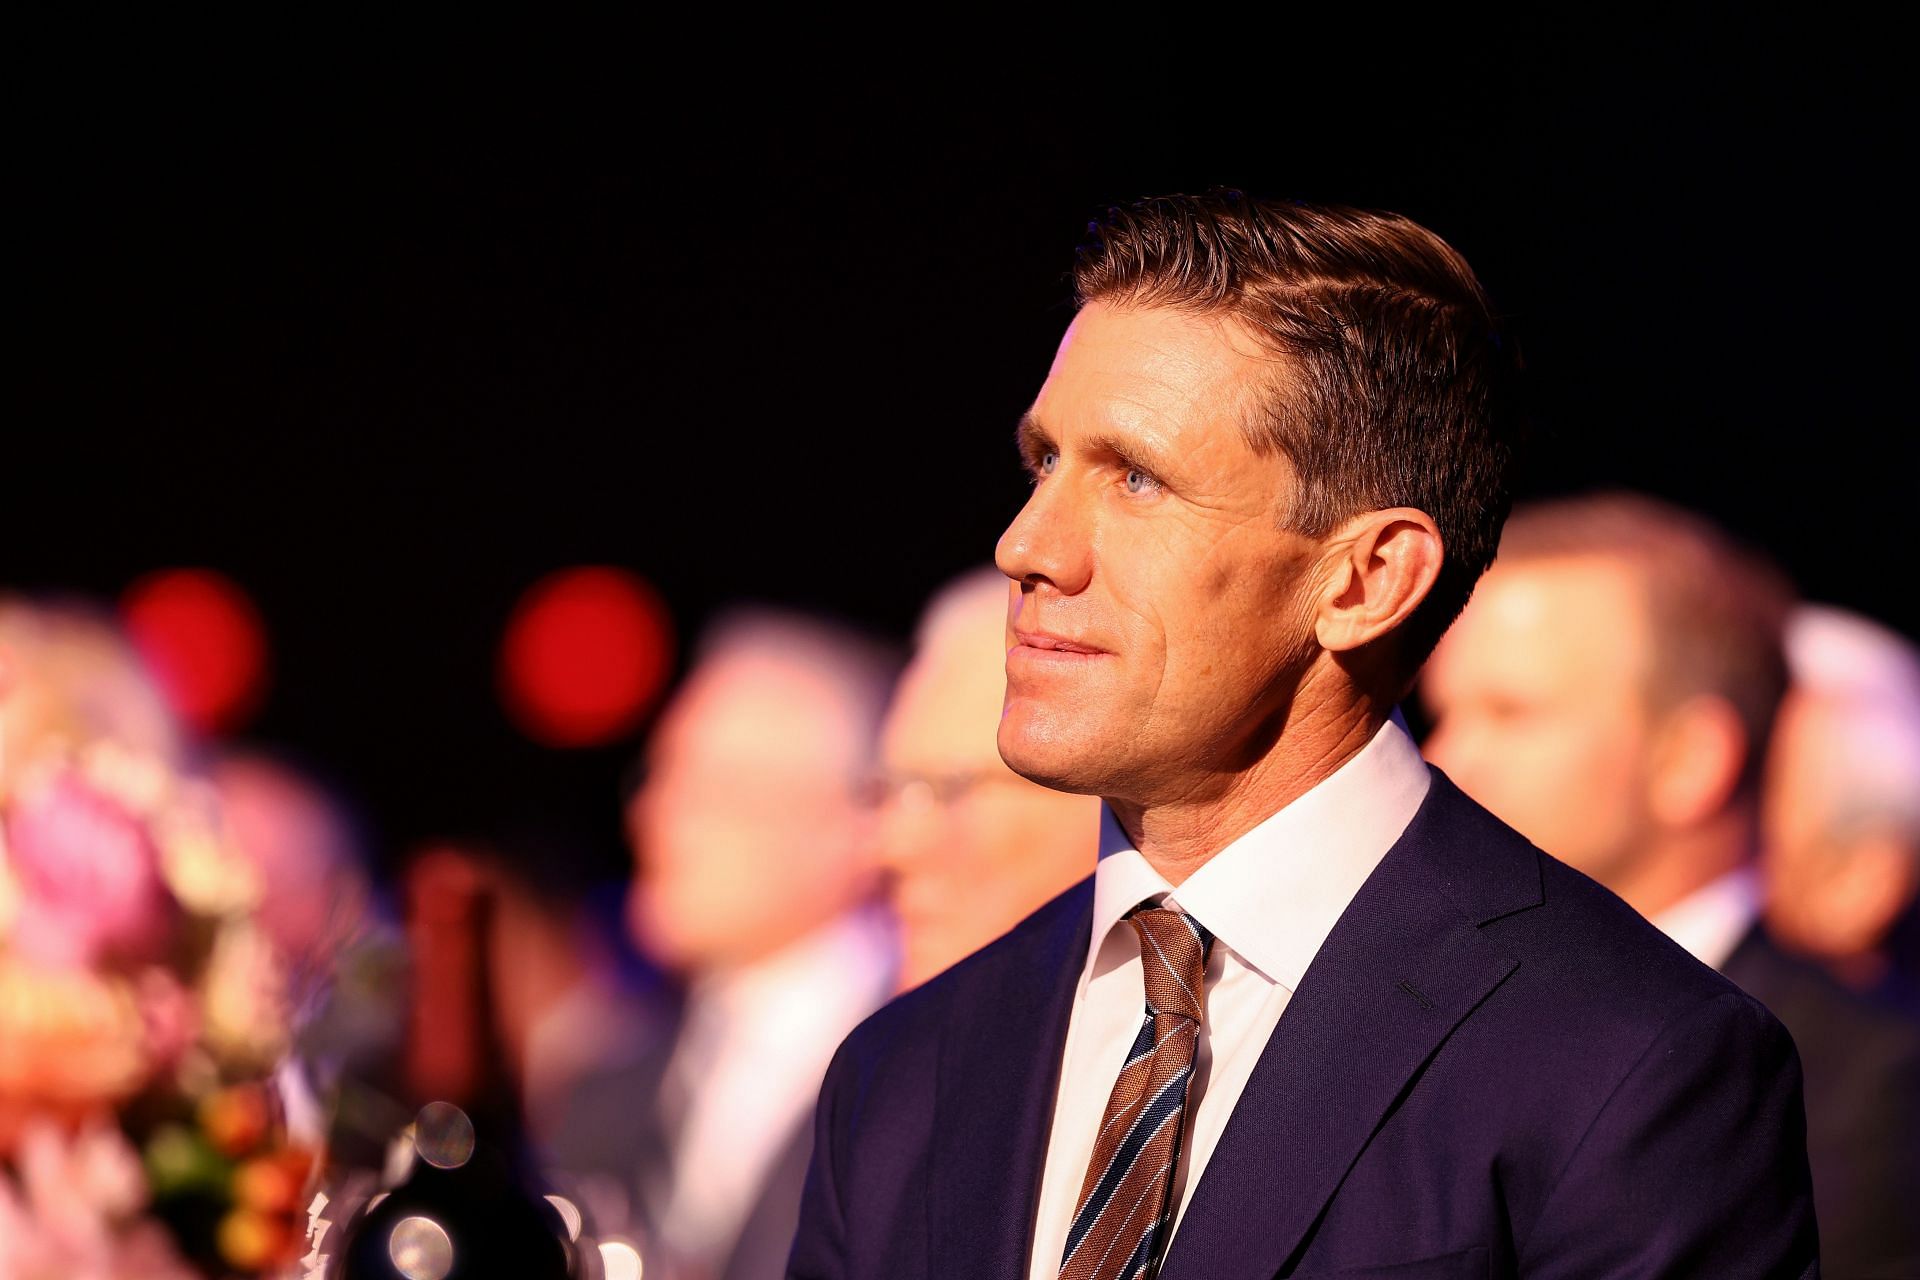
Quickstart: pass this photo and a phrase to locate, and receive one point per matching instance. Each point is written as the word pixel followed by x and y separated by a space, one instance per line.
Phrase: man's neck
pixel 1680 864
pixel 1179 835
pixel 722 976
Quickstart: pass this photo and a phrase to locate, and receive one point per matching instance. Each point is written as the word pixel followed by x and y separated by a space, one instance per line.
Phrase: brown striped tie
pixel 1120 1228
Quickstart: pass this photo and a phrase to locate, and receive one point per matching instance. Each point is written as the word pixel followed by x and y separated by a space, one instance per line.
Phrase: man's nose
pixel 911 827
pixel 1049 540
pixel 1450 745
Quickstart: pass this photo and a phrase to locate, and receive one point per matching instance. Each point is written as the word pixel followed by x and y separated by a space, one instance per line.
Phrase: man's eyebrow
pixel 1033 439
pixel 1141 454
pixel 1030 437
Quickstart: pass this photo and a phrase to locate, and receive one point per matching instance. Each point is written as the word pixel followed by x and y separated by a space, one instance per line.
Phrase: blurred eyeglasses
pixel 929 790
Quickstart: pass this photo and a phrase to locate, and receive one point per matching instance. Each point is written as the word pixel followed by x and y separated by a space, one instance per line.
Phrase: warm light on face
pixel 1537 696
pixel 743 830
pixel 1160 626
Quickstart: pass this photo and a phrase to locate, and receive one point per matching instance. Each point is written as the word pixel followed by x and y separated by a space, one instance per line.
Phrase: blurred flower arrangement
pixel 143 1006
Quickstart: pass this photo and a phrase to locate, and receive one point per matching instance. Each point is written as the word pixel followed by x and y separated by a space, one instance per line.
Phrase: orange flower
pixel 70 1041
pixel 272 1183
pixel 235 1119
pixel 251 1240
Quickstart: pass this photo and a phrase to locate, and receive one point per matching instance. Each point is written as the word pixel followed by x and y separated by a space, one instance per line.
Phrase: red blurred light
pixel 202 638
pixel 585 653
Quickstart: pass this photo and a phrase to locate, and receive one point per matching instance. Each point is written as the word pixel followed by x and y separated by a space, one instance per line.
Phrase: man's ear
pixel 1697 755
pixel 1379 566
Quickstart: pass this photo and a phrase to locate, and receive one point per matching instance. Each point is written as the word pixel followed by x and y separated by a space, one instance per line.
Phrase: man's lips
pixel 1044 645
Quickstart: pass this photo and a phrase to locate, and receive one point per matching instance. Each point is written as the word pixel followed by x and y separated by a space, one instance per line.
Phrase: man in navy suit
pixel 1315 1013
pixel 1610 692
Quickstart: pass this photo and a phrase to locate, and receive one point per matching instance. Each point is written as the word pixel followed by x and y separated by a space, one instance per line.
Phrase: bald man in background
pixel 755 887
pixel 1841 814
pixel 1609 691
pixel 971 848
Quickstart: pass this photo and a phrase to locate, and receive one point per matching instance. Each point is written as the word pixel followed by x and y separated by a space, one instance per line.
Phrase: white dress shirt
pixel 747 1069
pixel 1710 921
pixel 1270 898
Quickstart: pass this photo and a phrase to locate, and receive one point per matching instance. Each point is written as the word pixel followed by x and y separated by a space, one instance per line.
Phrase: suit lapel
pixel 1404 965
pixel 993 1105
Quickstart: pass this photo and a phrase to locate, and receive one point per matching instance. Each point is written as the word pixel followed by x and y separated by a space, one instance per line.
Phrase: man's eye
pixel 1048 461
pixel 1139 481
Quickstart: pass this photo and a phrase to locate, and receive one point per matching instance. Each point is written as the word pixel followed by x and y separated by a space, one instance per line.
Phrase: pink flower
pixel 75 1214
pixel 87 875
pixel 170 1015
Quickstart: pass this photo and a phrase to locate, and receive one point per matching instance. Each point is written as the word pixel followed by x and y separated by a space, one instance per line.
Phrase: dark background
pixel 386 338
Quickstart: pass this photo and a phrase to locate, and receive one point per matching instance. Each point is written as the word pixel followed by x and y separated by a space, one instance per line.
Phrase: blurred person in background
pixel 1841 815
pixel 578 1021
pixel 971 848
pixel 1609 691
pixel 755 885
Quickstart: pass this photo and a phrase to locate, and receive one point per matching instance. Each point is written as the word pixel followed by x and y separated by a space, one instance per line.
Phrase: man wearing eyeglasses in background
pixel 969 846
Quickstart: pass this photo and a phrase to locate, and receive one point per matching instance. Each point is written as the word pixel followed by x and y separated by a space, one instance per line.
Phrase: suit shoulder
pixel 1609 955
pixel 1584 956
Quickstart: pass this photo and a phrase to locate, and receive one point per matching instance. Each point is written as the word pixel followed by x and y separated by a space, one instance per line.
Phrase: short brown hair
pixel 1716 610
pixel 1397 389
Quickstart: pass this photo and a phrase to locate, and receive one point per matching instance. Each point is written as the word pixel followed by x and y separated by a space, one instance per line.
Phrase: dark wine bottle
pixel 463 1201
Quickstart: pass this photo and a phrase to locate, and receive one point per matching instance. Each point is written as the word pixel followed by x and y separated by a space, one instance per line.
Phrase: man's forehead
pixel 725 708
pixel 1580 613
pixel 1557 586
pixel 1136 339
pixel 1142 367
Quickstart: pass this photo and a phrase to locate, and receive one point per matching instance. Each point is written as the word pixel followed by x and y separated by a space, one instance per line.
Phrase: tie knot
pixel 1173 957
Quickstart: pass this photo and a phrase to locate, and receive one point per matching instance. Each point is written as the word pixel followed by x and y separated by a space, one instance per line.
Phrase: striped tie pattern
pixel 1120 1227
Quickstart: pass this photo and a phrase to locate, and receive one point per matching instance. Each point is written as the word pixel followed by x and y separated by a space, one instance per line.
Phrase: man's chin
pixel 1051 760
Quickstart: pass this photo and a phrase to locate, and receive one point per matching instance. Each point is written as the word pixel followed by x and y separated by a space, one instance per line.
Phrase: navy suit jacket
pixel 1862 1064
pixel 1493 1067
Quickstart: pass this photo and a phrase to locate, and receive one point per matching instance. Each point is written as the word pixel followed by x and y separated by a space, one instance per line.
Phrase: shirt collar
pixel 1275 893
pixel 850 957
pixel 1710 921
